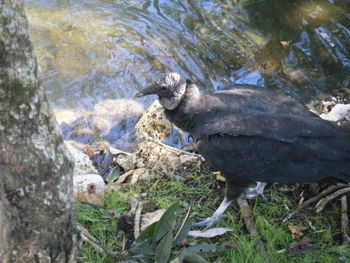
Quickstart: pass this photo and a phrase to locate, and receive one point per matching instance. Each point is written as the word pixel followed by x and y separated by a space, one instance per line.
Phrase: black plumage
pixel 253 134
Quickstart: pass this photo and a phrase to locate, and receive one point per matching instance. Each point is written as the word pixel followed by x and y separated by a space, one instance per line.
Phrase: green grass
pixel 100 225
pixel 204 194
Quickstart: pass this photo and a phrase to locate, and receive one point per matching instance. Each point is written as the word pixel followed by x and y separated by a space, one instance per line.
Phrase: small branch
pixel 148 138
pixel 249 222
pixel 345 220
pixel 137 220
pixel 87 237
pixel 314 199
pixel 322 203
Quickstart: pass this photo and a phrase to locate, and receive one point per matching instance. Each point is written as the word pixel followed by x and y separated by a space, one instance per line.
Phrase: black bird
pixel 252 134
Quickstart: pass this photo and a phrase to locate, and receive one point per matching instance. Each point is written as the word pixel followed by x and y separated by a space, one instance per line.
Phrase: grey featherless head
pixel 170 89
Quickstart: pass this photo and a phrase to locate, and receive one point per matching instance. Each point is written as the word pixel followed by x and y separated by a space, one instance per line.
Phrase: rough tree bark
pixel 37 222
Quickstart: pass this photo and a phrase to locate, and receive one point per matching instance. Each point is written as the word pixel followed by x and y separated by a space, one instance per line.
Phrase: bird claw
pixel 208 222
pixel 251 193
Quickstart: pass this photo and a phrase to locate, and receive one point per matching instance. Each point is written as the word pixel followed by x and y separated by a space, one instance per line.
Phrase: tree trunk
pixel 37 221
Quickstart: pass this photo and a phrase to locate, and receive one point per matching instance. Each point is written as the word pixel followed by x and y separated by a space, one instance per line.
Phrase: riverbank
pixel 156 176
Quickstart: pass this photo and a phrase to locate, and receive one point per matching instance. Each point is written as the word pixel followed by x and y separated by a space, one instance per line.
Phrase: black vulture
pixel 253 134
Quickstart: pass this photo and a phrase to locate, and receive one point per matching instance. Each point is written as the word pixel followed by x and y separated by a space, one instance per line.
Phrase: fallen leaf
pixel 150 218
pixel 209 233
pixel 2 127
pixel 219 177
pixel 285 43
pixel 124 176
pixel 281 251
pixel 298 247
pixel 229 244
pixel 297 231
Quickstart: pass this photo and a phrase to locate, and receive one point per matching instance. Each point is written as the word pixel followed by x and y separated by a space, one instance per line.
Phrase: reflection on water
pixel 93 50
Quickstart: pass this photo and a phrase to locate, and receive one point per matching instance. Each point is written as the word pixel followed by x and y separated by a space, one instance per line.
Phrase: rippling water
pixel 93 50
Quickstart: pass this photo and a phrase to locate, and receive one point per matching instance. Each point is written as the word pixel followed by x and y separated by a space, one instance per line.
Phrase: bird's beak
pixel 147 91
pixel 139 94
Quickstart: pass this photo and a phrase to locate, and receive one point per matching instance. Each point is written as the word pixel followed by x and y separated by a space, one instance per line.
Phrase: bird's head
pixel 170 89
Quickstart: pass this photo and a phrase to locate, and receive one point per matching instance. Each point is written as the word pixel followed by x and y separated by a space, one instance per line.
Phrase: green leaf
pixel 166 222
pixel 113 175
pixel 163 249
pixel 182 234
pixel 144 243
pixel 202 249
pixel 148 232
pixel 184 228
pixel 195 258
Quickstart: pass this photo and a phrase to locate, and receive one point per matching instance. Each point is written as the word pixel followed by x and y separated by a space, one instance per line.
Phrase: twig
pixel 345 220
pixel 249 222
pixel 148 138
pixel 85 236
pixel 322 203
pixel 183 223
pixel 137 220
pixel 313 199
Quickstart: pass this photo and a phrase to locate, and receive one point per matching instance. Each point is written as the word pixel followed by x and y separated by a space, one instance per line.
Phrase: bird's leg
pixel 257 191
pixel 234 188
pixel 210 221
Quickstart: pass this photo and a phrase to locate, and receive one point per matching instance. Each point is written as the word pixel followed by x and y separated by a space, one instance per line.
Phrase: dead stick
pixel 314 199
pixel 345 220
pixel 249 222
pixel 87 237
pixel 148 138
pixel 322 203
pixel 137 220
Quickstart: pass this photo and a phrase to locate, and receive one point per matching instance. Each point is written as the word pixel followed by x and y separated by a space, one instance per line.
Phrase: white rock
pixel 89 188
pixel 83 165
pixel 340 113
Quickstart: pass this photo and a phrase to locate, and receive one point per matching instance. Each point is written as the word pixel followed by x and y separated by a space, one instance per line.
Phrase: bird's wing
pixel 282 127
pixel 258 99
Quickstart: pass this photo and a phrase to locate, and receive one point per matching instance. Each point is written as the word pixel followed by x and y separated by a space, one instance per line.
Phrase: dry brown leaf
pixel 298 247
pixel 150 218
pixel 297 231
pixel 229 244
pixel 286 43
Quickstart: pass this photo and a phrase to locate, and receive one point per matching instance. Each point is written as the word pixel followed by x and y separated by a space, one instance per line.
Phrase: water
pixel 93 50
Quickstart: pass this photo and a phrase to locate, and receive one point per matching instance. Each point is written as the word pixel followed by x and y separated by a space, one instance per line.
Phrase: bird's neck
pixel 183 115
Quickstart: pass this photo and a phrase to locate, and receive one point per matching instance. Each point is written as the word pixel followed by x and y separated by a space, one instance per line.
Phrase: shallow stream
pixel 95 54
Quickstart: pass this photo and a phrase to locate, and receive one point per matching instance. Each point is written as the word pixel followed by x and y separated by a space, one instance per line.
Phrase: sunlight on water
pixel 90 51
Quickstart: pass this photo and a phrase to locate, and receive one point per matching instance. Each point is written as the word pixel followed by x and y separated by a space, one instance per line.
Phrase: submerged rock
pixel 339 114
pixel 111 120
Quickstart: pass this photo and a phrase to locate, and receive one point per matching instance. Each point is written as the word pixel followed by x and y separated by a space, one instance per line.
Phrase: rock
pixel 340 114
pixel 141 175
pixel 88 185
pixel 83 165
pixel 108 113
pixel 189 160
pixel 126 161
pixel 67 116
pixel 89 188
pixel 150 218
pixel 153 123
